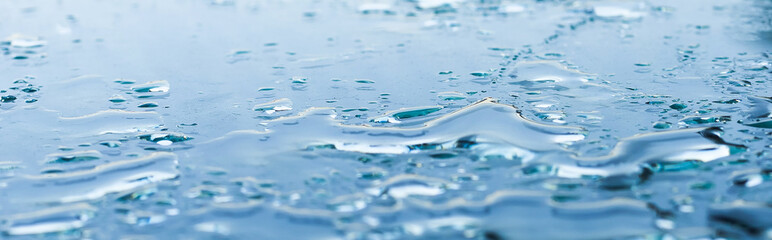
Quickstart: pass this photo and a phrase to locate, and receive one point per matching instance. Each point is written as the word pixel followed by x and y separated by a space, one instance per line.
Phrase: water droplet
pixel 512 8
pixel 451 96
pixel 365 81
pixel 272 108
pixel 299 80
pixel 8 98
pixel 613 12
pixel 678 106
pixel 124 81
pixel 661 125
pixel 153 89
pixel 73 157
pixel 110 144
pixel 164 136
pixel 373 173
pixel 480 74
pixel 117 99
pixel 147 105
pixel 371 8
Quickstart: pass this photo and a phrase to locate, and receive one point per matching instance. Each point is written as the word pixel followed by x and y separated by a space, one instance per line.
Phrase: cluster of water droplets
pixel 397 136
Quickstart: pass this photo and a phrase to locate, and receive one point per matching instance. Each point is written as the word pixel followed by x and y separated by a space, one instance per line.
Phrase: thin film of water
pixel 386 119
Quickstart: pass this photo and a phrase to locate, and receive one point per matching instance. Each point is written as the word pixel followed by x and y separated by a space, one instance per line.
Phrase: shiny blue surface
pixel 389 119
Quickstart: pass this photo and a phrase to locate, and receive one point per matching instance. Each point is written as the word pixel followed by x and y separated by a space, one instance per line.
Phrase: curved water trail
pixel 483 121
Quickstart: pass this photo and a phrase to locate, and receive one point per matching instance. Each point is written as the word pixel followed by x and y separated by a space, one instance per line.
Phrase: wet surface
pixel 425 119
